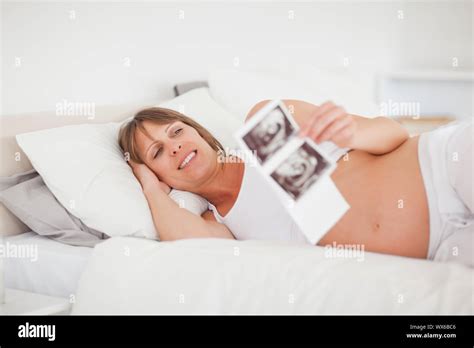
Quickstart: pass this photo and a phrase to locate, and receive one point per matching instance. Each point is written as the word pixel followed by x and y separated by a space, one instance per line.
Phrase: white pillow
pixel 238 91
pixel 199 105
pixel 84 168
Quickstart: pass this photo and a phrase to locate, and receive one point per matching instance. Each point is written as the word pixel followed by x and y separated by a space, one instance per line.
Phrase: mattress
pixel 42 265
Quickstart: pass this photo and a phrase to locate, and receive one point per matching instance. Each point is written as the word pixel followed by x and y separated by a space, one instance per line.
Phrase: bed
pixel 51 268
pixel 221 276
pixel 125 275
pixel 58 270
pixel 216 276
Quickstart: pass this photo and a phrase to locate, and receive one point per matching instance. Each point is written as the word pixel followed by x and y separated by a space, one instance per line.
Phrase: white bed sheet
pixel 223 276
pixel 54 271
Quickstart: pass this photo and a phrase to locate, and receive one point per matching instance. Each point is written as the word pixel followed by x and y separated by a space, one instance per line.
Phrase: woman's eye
pixel 178 131
pixel 157 153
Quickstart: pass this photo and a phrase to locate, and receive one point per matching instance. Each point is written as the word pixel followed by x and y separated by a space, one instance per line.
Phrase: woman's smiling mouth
pixel 187 159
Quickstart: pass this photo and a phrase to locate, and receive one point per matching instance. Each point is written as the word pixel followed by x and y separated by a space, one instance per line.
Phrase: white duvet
pixel 219 276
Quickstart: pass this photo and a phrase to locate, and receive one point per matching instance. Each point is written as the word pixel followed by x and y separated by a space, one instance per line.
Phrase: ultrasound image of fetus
pixel 300 170
pixel 269 135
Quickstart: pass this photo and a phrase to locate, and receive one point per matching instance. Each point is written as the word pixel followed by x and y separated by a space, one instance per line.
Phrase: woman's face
pixel 177 154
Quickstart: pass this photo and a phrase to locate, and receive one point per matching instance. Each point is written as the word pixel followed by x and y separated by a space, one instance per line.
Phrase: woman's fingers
pixel 334 128
pixel 139 170
pixel 333 115
pixel 343 138
pixel 323 108
pixel 330 122
pixel 132 164
pixel 147 178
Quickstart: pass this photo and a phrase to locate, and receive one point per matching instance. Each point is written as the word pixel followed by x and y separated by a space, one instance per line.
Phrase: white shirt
pixel 258 213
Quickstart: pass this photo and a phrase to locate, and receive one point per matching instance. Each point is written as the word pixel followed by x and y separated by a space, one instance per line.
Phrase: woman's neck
pixel 224 184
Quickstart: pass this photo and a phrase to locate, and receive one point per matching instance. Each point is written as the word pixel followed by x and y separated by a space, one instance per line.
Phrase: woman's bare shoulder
pixel 255 109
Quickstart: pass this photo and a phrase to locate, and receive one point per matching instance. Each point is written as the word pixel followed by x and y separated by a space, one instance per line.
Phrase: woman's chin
pixel 197 176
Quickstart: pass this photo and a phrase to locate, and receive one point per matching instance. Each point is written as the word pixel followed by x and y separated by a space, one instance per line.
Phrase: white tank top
pixel 258 213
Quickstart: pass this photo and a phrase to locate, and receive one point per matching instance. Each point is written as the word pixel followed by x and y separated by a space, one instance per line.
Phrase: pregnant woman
pixel 408 196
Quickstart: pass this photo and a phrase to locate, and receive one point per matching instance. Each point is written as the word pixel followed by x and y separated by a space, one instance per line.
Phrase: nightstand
pixel 19 302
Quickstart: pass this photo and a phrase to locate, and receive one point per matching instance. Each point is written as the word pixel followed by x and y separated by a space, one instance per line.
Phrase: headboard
pixel 14 161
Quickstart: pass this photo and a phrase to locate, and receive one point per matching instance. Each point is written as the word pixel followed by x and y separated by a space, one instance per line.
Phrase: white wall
pixel 127 51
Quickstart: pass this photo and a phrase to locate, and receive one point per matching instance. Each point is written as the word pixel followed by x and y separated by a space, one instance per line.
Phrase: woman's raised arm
pixel 377 135
pixel 171 221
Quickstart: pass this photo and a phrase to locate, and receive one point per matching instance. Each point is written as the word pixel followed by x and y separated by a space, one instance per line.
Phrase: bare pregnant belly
pixel 389 210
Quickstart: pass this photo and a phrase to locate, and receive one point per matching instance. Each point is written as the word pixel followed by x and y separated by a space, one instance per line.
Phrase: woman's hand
pixel 330 122
pixel 147 178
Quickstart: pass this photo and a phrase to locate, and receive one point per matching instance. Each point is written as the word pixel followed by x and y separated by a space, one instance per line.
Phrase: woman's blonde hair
pixel 161 116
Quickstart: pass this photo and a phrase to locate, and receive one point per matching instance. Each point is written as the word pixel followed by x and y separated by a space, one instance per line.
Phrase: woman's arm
pixel 171 221
pixel 174 222
pixel 377 135
pixel 330 122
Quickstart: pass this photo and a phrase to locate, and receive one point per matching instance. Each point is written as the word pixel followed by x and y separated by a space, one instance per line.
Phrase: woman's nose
pixel 176 149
